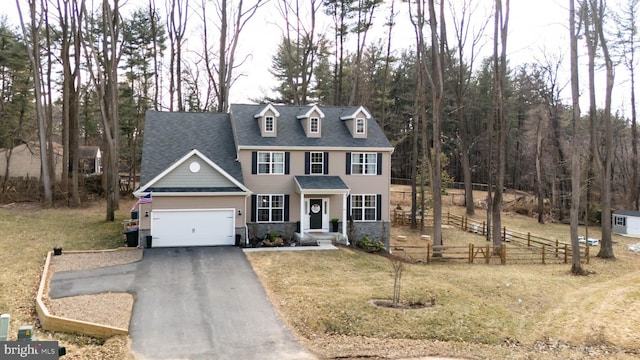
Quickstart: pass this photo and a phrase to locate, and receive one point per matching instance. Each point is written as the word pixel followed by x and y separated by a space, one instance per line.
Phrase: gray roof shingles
pixel 168 136
pixel 321 183
pixel 290 131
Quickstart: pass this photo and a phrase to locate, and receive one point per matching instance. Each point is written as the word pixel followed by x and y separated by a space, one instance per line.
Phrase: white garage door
pixel 192 227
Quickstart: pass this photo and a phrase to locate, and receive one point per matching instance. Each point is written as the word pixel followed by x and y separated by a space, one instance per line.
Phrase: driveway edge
pixel 56 323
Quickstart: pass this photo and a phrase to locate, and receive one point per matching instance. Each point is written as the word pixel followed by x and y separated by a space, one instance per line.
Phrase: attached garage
pixel 202 227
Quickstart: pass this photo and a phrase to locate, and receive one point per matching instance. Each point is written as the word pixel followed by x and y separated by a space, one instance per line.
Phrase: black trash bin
pixel 238 239
pixel 132 237
pixel 149 240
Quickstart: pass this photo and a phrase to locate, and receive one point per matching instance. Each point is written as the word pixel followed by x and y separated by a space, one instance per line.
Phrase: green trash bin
pixel 132 237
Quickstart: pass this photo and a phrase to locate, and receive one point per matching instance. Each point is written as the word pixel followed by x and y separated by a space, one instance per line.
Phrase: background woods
pixel 75 73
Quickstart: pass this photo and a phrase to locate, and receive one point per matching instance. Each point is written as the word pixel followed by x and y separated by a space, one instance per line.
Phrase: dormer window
pixel 268 124
pixel 314 125
pixel 360 126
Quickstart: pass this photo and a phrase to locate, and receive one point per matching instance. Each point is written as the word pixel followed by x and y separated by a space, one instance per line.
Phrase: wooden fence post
pixel 504 233
pixel 528 239
pixel 566 253
pixel 428 252
pixel 543 247
pixel 503 254
pixel 557 245
pixel 487 255
pixel 470 253
pixel 483 227
pixel 587 253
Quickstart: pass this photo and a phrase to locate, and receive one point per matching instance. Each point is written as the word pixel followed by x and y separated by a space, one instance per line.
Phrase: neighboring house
pixel 626 222
pixel 90 160
pixel 25 161
pixel 221 179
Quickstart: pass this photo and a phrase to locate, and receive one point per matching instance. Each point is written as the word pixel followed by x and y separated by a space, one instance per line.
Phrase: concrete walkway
pixel 191 303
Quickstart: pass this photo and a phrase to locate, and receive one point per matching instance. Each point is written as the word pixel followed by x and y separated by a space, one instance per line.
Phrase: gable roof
pixel 291 134
pixel 627 213
pixel 170 136
pixel 305 113
pixel 194 153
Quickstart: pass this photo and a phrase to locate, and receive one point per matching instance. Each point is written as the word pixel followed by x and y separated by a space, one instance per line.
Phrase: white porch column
pixel 301 212
pixel 344 217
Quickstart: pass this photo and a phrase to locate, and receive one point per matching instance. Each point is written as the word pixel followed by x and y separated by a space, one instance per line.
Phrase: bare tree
pixel 33 48
pixel 627 24
pixel 576 264
pixel 300 46
pixel 593 16
pixel 103 59
pixel 70 19
pixel 462 74
pixel 501 25
pixel 177 26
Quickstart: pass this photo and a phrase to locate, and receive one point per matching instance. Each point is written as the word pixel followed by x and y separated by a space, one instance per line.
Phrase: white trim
pixel 325 214
pixel 310 111
pixel 193 193
pixel 355 113
pixel 315 148
pixel 264 111
pixel 191 153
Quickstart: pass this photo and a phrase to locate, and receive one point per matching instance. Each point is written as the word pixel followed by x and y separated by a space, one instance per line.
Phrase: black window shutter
pixel 379 164
pixel 378 207
pixel 286 208
pixel 254 209
pixel 254 162
pixel 348 161
pixel 287 160
pixel 349 207
pixel 326 162
pixel 307 163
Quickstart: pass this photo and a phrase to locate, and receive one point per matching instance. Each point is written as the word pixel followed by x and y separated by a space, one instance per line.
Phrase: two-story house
pixel 221 179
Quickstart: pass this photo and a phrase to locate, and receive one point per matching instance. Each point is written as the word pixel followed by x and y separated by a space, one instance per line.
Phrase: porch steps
pixel 326 238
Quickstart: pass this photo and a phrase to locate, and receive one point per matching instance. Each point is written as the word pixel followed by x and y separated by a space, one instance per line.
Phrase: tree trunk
pixel 34 58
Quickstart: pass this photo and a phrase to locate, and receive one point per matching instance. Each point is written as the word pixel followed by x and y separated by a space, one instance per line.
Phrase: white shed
pixel 626 222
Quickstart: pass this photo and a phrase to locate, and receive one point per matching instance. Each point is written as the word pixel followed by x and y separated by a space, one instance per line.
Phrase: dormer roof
pixel 265 109
pixel 306 113
pixel 349 114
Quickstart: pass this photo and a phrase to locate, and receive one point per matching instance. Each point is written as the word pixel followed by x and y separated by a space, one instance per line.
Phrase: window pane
pixel 263 156
pixel 277 201
pixel 277 215
pixel 263 214
pixel 370 214
pixel 356 214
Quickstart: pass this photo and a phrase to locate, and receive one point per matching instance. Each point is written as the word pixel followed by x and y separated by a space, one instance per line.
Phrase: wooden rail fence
pixel 516 247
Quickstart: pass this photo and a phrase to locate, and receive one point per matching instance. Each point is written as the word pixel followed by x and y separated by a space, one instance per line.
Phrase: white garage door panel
pixel 192 228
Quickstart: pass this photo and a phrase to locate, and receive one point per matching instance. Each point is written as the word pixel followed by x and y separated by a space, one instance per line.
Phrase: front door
pixel 315 214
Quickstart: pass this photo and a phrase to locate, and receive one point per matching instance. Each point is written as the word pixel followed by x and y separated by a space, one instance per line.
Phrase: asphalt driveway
pixel 191 303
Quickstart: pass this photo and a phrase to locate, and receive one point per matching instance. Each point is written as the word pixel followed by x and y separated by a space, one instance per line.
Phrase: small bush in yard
pixel 370 245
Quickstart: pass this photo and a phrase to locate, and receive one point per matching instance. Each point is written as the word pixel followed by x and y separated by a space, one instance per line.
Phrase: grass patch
pixel 29 232
pixel 327 293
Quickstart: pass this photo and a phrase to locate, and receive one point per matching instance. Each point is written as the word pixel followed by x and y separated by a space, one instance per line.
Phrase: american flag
pixel 143 200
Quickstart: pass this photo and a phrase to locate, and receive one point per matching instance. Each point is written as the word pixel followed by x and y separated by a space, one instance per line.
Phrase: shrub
pixel 370 245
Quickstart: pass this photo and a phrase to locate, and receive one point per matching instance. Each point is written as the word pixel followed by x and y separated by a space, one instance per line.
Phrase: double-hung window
pixel 364 163
pixel 317 163
pixel 270 162
pixel 268 124
pixel 363 207
pixel 314 125
pixel 359 126
pixel 620 220
pixel 270 208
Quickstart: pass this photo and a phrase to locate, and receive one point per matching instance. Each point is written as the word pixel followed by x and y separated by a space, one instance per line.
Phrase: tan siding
pixel 285 184
pixel 194 202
